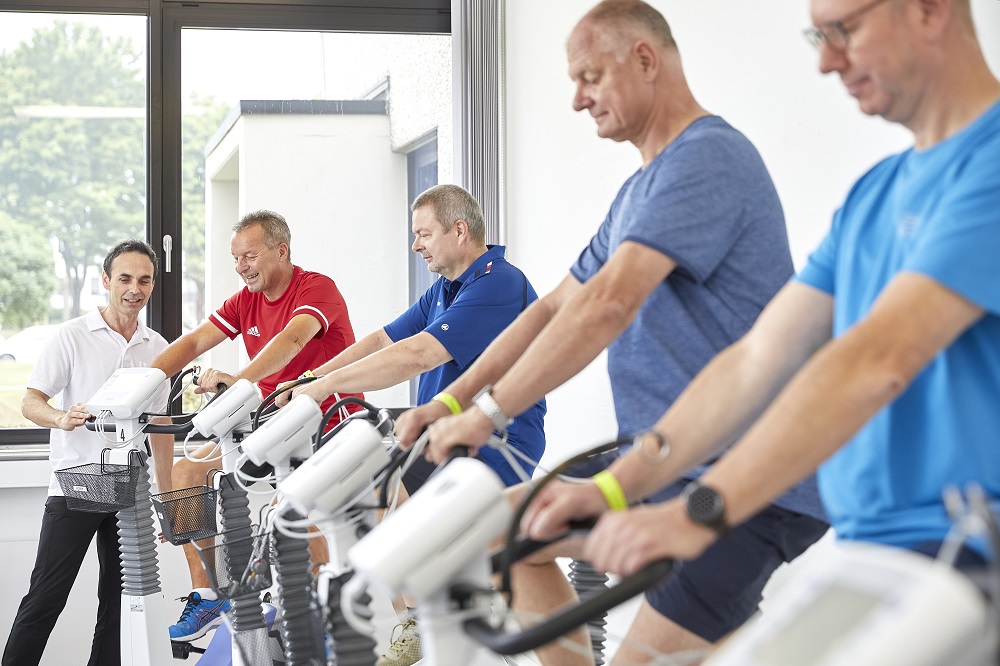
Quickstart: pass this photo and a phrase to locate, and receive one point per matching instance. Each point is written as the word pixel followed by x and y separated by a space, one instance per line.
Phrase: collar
pixel 95 322
pixel 479 265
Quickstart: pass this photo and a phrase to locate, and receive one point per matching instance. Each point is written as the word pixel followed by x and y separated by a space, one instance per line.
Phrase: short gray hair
pixel 452 203
pixel 623 18
pixel 275 228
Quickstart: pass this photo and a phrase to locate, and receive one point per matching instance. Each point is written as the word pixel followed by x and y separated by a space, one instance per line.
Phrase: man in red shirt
pixel 291 320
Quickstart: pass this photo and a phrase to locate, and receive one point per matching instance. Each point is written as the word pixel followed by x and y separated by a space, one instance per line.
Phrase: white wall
pixel 745 61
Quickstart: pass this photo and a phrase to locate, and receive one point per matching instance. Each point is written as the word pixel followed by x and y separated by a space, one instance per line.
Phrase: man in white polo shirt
pixel 73 365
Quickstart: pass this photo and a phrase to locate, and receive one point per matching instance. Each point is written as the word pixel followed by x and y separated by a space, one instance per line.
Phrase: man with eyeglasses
pixel 881 360
pixel 691 249
pixel 290 320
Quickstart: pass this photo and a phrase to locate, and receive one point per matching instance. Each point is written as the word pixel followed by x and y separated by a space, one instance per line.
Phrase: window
pixel 145 184
pixel 72 173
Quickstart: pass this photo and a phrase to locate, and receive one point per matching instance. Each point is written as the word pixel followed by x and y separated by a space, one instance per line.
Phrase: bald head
pixel 620 22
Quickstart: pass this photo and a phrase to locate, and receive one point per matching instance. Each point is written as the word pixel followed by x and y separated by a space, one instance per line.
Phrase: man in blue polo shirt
pixel 477 296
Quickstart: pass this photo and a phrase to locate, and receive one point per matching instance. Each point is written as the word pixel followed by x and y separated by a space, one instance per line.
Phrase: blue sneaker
pixel 198 618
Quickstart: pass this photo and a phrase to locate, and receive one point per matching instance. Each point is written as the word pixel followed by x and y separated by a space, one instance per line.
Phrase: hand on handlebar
pixel 210 379
pixel 74 417
pixel 470 428
pixel 624 542
pixel 412 423
pixel 560 503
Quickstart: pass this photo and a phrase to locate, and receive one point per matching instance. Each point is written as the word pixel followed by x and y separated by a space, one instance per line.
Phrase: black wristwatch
pixel 705 507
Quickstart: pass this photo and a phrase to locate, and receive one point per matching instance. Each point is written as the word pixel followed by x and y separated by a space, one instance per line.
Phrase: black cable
pixel 320 439
pixel 274 394
pixel 507 556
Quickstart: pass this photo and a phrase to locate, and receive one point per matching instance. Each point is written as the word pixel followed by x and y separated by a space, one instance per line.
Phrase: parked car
pixel 26 346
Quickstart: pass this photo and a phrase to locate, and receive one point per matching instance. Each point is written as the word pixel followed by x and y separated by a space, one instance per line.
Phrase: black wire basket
pixel 238 562
pixel 101 487
pixel 187 514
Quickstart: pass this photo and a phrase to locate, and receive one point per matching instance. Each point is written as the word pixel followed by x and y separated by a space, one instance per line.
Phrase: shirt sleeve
pixel 412 321
pixel 960 242
pixel 318 296
pixel 227 318
pixel 820 270
pixel 595 255
pixel 54 368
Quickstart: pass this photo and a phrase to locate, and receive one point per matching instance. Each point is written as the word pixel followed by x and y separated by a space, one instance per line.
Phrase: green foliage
pixel 79 180
pixel 28 277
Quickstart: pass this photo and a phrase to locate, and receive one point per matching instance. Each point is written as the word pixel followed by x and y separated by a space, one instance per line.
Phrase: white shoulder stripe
pixel 215 316
pixel 326 322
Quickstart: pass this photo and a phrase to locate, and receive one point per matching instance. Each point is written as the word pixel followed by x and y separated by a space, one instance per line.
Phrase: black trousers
pixel 62 545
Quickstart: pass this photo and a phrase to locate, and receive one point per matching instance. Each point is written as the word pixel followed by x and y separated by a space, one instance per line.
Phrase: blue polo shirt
pixel 465 315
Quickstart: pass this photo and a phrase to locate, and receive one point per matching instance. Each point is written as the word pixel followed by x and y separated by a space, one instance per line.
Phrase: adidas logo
pixel 253 331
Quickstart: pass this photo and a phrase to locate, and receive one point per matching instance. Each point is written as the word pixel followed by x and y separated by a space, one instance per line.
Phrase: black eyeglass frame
pixel 835 33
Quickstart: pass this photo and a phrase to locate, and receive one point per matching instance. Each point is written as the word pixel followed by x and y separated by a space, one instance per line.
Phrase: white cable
pixel 355 587
pixel 239 477
pixel 208 456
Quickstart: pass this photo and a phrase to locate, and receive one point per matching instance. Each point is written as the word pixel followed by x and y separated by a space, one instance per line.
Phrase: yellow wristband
pixel 449 401
pixel 612 490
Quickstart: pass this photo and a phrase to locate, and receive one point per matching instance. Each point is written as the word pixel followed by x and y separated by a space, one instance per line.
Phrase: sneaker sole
pixel 209 626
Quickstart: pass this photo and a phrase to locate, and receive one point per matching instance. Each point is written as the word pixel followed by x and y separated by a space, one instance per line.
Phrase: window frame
pixel 165 21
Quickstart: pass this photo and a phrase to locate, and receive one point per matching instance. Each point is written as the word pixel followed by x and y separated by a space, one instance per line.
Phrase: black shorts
pixel 715 594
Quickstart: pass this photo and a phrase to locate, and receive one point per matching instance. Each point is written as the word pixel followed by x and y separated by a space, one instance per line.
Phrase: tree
pixel 28 278
pixel 81 180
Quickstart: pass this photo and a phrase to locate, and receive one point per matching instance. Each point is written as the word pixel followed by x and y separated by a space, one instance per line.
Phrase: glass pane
pixel 72 173
pixel 325 129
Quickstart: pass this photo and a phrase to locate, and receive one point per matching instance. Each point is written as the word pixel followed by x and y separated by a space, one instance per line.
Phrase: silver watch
pixel 484 401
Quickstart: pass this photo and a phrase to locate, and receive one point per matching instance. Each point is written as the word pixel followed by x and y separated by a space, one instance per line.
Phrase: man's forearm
pixel 715 409
pixel 282 348
pixel 176 356
pixel 574 337
pixel 37 410
pixel 503 352
pixel 387 367
pixel 366 346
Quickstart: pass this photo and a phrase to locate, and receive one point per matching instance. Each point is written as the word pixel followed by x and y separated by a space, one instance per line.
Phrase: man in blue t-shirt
pixel 477 296
pixel 883 357
pixel 692 248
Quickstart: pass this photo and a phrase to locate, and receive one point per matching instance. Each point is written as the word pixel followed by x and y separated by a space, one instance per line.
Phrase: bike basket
pixel 238 562
pixel 187 514
pixel 101 487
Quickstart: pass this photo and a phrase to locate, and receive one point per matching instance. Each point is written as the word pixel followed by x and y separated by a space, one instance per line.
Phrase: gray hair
pixel 452 203
pixel 623 18
pixel 275 228
pixel 131 245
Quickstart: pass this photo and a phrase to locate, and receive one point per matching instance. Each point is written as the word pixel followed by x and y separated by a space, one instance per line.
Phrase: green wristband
pixel 612 490
pixel 449 401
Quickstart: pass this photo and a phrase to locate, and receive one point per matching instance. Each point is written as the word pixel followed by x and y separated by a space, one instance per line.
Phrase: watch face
pixel 704 506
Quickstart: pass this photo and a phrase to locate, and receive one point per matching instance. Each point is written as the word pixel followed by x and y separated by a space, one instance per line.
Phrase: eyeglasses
pixel 835 33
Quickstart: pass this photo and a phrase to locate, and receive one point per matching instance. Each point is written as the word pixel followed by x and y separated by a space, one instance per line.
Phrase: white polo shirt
pixel 74 364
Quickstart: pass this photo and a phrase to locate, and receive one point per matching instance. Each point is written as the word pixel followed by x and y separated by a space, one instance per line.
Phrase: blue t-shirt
pixel 934 212
pixel 707 202
pixel 465 315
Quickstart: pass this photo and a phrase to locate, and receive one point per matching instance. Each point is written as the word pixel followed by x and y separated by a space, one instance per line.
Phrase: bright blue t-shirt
pixel 707 202
pixel 465 315
pixel 934 212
